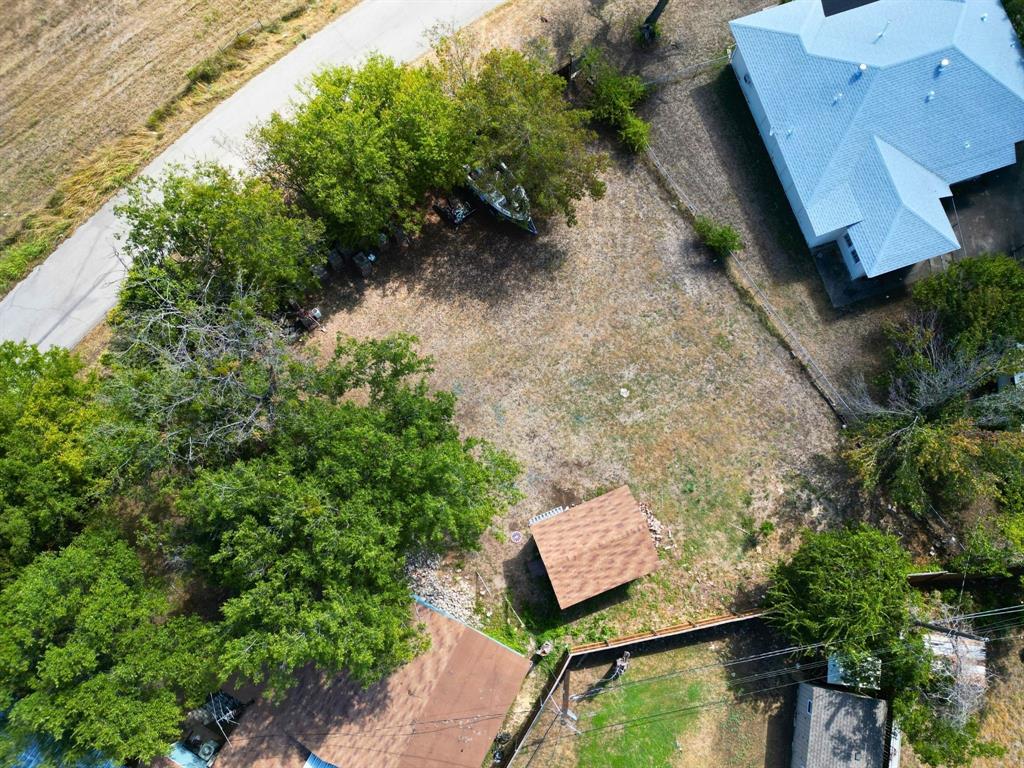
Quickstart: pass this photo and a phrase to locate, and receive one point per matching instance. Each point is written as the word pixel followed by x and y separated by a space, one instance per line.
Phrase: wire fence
pixel 822 383
pixel 577 654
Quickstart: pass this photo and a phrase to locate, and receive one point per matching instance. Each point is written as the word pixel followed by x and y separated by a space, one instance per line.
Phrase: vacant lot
pixel 77 76
pixel 613 352
pixel 686 704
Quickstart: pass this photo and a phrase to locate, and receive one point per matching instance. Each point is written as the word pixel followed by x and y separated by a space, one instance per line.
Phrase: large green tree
pixel 846 592
pixel 48 482
pixel 90 659
pixel 366 146
pixel 514 111
pixel 206 232
pixel 190 384
pixel 980 301
pixel 309 538
pixel 846 589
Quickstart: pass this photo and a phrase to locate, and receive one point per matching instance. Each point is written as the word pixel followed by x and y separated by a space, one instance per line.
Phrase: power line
pixel 655 717
pixel 1005 623
pixel 456 720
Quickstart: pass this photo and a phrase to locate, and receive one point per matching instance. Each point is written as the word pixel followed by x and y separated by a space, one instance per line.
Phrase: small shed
pixel 836 729
pixel 595 546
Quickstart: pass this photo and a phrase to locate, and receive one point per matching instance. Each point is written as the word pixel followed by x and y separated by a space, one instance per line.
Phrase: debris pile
pixel 659 532
pixel 447 589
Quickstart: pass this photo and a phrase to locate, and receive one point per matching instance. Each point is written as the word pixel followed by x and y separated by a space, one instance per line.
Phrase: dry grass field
pixel 80 80
pixel 616 352
pixel 612 352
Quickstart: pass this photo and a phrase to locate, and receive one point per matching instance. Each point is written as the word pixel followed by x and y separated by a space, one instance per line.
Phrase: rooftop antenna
pixel 881 34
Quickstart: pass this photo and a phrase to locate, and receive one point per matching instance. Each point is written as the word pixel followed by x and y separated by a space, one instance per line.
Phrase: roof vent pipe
pixel 944 63
pixel 862 69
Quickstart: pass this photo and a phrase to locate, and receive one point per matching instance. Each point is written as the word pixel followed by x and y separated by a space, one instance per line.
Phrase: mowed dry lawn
pixel 76 74
pixel 612 352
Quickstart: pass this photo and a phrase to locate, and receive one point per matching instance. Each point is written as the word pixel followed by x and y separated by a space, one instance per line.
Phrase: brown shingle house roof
pixel 440 710
pixel 595 546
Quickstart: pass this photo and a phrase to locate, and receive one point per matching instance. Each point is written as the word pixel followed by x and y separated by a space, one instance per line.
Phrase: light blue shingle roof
pixel 875 150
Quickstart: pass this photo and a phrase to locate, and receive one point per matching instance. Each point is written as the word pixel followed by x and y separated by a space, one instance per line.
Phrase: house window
pixel 856 258
pixel 849 242
pixel 809 702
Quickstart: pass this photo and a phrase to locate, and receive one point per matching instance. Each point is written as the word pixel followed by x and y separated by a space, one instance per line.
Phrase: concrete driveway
pixel 71 292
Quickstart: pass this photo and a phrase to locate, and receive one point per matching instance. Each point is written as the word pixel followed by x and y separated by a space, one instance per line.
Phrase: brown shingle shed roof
pixel 595 546
pixel 440 710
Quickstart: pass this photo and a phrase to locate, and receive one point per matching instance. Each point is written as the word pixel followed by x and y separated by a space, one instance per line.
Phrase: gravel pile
pixel 449 590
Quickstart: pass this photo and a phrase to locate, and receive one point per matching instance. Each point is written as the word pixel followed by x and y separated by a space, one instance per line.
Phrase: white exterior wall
pixel 855 268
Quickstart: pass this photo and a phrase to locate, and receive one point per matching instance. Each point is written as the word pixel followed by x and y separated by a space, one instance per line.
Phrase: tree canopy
pixel 513 110
pixel 366 147
pixel 207 231
pixel 980 301
pixel 47 480
pixel 946 438
pixel 90 659
pixel 310 538
pixel 190 384
pixel 847 589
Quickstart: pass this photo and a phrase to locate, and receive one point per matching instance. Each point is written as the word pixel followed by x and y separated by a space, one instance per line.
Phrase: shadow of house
pixel 988 212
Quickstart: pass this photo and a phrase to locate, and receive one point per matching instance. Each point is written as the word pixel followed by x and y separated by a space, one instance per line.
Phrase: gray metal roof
pixel 834 729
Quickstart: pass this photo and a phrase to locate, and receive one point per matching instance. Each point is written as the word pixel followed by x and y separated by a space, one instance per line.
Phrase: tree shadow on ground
pixel 485 261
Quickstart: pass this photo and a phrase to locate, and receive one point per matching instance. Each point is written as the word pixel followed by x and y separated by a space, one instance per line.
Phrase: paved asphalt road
pixel 71 292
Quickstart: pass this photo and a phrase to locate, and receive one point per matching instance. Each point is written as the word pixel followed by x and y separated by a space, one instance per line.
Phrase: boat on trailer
pixel 513 207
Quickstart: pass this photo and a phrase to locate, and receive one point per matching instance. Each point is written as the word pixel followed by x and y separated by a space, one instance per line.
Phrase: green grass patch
pixel 647 745
pixel 16 258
